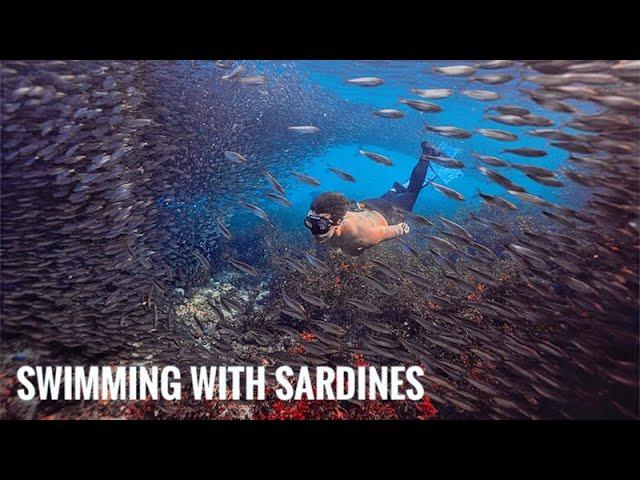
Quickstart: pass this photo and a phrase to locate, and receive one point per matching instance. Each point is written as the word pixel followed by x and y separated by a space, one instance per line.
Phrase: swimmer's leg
pixel 391 194
pixel 403 197
pixel 418 175
pixel 406 201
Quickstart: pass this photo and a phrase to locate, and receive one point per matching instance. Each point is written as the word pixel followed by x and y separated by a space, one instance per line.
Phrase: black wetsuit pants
pixel 399 197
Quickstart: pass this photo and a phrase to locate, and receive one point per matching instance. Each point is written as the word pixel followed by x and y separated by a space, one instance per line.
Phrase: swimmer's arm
pixel 395 231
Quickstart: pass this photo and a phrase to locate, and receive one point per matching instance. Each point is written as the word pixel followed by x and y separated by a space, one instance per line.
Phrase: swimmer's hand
pixel 404 228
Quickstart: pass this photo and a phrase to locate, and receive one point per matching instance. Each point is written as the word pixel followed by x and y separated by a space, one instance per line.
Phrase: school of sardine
pixel 104 163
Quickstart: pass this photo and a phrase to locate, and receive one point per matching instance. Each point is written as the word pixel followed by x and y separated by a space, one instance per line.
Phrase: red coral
pixel 307 336
pixel 359 360
pixel 374 410
pixel 274 409
pixel 426 410
pixel 338 414
pixel 326 409
pixel 299 410
pixel 299 350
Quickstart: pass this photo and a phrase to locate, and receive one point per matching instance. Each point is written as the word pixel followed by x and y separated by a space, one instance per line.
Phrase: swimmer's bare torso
pixel 361 230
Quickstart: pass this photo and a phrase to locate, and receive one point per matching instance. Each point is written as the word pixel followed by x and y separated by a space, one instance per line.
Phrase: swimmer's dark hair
pixel 333 203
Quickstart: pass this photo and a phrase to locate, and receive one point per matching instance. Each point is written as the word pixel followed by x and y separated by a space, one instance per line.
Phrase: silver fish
pixel 281 199
pixel 295 265
pixel 377 284
pixel 275 184
pixel 234 157
pixel 417 279
pixel 223 229
pixel 225 64
pixel 304 129
pixel 329 327
pixel 364 306
pixel 455 70
pixel 528 197
pixel 444 161
pixel 389 113
pixel 413 251
pixel 449 192
pixel 447 131
pixel 508 119
pixel 254 209
pixel 230 304
pixel 489 160
pixel 294 314
pixel 441 242
pixel 497 201
pixel 293 304
pixel 433 93
pixel 388 270
pixel 493 79
pixel 538 120
pixel 376 157
pixel 494 64
pixel 253 80
pixel 421 105
pixel 509 110
pixel 366 81
pixel 243 267
pixel 234 74
pixel 526 152
pixel 313 300
pixel 482 95
pixel 455 227
pixel 497 134
pixel 347 177
pixel 419 219
pixel 317 263
pixel 533 170
pixel 552 134
pixel 306 179
pixel 500 179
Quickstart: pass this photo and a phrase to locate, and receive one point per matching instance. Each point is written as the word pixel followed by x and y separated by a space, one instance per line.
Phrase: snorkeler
pixel 357 226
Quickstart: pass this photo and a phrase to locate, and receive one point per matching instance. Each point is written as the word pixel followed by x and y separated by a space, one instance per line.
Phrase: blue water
pixel 399 139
